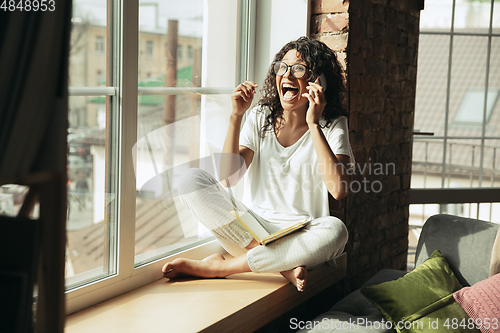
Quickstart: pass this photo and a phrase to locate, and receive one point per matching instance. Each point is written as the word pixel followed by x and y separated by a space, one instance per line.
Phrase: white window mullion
pixel 246 40
pixel 127 95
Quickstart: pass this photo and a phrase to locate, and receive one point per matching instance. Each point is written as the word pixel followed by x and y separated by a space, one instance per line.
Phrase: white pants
pixel 322 240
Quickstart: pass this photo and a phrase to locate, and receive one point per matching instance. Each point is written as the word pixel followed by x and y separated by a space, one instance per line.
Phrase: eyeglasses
pixel 296 70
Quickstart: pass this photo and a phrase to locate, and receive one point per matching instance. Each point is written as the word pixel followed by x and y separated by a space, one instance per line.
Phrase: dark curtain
pixel 34 48
pixel 33 89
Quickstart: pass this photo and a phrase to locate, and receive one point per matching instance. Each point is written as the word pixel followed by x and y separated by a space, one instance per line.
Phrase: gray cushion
pixel 465 243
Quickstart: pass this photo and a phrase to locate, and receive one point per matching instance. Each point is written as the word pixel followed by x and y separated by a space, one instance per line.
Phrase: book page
pixel 251 224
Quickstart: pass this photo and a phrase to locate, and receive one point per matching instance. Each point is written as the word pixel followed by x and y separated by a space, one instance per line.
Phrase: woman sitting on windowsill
pixel 296 149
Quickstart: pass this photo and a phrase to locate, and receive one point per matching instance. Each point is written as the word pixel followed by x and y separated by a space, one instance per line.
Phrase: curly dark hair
pixel 320 59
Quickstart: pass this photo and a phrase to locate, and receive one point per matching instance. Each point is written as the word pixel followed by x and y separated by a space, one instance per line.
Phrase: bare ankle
pixel 297 277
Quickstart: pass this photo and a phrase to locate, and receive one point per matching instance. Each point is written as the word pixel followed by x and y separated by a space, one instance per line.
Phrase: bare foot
pixel 206 268
pixel 297 277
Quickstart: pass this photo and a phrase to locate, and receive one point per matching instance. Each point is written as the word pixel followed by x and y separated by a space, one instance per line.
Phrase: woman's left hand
pixel 317 102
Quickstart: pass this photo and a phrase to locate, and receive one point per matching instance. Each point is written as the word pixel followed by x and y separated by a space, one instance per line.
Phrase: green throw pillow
pixel 422 300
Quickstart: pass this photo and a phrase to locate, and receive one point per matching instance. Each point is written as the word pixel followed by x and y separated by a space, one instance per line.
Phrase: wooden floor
pixel 239 303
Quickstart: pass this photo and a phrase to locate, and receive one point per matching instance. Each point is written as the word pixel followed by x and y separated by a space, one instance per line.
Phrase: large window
pixel 457 116
pixel 123 220
pixel 140 114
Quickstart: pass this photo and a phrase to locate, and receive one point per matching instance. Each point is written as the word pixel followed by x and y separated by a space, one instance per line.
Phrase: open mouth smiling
pixel 289 91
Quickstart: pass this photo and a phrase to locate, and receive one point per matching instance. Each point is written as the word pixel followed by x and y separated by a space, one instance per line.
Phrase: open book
pixel 259 233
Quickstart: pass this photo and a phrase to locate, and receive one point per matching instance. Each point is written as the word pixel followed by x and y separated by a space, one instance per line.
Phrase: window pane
pixel 91 199
pixel 494 82
pixel 496 16
pixel 462 167
pixel 436 15
pixel 169 129
pixel 472 16
pixel 427 166
pixel 487 212
pixel 89 213
pixel 88 44
pixel 466 75
pixel 420 213
pixel 491 164
pixel 463 161
pixel 432 78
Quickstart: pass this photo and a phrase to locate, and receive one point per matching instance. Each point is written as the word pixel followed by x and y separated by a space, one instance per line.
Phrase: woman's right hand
pixel 242 97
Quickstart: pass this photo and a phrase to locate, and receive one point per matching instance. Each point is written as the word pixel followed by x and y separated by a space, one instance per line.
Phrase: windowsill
pixel 240 302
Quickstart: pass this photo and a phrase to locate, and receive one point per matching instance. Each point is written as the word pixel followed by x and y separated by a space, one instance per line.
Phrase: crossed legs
pixel 322 240
pixel 216 266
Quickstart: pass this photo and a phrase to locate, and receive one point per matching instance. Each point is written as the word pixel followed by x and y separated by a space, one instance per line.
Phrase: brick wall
pixel 377 42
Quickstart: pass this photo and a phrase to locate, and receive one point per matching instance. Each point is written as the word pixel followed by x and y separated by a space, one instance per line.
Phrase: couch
pixel 465 243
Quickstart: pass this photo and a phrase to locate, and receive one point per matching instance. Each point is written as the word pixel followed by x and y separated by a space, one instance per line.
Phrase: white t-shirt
pixel 284 184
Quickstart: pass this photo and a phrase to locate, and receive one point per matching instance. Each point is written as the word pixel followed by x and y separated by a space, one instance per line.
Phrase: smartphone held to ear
pixel 322 81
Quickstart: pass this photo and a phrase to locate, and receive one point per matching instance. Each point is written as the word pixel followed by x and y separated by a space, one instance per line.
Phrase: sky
pixel 188 12
pixel 468 14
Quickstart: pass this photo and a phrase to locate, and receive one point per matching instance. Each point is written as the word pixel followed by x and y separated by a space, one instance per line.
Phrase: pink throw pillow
pixel 482 303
